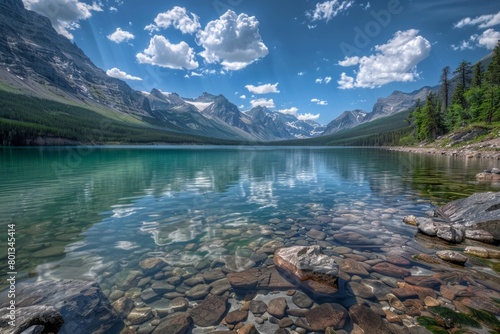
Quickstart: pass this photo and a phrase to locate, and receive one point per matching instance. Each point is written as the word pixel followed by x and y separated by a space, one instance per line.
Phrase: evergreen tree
pixel 493 71
pixel 477 79
pixel 464 74
pixel 445 88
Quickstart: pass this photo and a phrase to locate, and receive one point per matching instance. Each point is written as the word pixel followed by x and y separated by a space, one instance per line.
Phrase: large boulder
pixel 478 212
pixel 317 271
pixel 81 305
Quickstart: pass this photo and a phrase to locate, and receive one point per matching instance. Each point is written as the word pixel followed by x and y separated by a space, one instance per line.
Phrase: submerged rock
pixel 210 311
pixel 308 264
pixel 47 319
pixel 478 212
pixel 452 256
pixel 82 305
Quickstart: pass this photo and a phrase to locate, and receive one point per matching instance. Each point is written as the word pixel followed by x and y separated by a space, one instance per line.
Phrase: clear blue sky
pixel 310 58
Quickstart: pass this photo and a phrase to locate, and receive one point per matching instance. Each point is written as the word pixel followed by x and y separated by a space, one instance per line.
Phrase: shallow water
pixel 95 212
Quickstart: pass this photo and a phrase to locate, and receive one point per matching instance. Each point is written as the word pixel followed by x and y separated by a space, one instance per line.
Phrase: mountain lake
pixel 94 213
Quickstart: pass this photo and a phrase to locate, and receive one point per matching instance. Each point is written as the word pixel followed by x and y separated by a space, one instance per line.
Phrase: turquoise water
pixel 95 212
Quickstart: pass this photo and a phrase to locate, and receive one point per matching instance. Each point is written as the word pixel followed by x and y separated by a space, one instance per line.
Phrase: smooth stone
pixel 258 307
pixel 162 287
pixel 235 317
pixel 271 247
pixel 195 280
pixel 140 315
pixel 277 307
pixel 152 265
pixel 480 235
pixel 176 324
pixel 353 267
pixel 410 220
pixel 213 275
pixel 424 281
pixel 431 302
pixel 477 251
pixel 244 280
pixel 179 304
pixel 198 292
pixel 315 234
pixel 247 329
pixel 210 311
pixel 391 270
pixel 220 287
pixel 367 320
pixel 452 256
pixel 326 315
pixel 285 322
pixel 361 290
pixel 302 300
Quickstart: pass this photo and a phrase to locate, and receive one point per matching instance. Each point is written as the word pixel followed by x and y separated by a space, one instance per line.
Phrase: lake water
pixel 95 212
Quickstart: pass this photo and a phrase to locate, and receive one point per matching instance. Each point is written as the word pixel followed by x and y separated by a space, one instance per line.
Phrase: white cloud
pixel 63 14
pixel 327 80
pixel 320 102
pixel 119 74
pixel 243 97
pixel 308 117
pixel 489 39
pixel 232 40
pixel 367 6
pixel 319 80
pixel 113 9
pixel 328 10
pixel 263 103
pixel 345 81
pixel 263 89
pixel 295 112
pixel 120 35
pixel 291 111
pixel 177 17
pixel 394 61
pixel 483 21
pixel 195 74
pixel 301 74
pixel 162 53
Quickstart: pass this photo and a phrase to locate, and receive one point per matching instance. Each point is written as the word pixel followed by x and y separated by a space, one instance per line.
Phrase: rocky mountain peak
pixel 14 5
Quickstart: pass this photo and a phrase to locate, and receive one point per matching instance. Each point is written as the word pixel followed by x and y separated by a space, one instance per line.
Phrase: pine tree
pixel 477 79
pixel 464 74
pixel 445 88
pixel 493 71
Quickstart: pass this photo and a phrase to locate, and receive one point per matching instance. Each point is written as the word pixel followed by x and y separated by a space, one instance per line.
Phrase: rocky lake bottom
pixel 178 263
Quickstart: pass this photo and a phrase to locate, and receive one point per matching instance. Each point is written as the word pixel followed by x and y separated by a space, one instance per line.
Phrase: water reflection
pixel 86 211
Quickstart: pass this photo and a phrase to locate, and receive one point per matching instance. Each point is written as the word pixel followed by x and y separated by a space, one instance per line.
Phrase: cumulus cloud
pixel 263 89
pixel 295 112
pixel 308 117
pixel 291 111
pixel 119 74
pixel 243 97
pixel 483 21
pixel 328 10
pixel 120 35
pixel 489 39
pixel 394 61
pixel 177 17
pixel 63 14
pixel 319 80
pixel 233 41
pixel 263 103
pixel 162 53
pixel 319 102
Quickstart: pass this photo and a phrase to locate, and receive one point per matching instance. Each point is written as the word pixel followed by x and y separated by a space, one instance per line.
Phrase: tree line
pixel 468 95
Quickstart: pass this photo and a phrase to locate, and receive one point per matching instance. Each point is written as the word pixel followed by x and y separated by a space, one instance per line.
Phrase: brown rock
pixel 392 317
pixel 247 329
pixel 424 281
pixel 235 317
pixel 277 307
pixel 258 307
pixel 123 306
pixel 397 260
pixel 317 271
pixel 315 234
pixel 152 265
pixel 177 324
pixel 367 320
pixel 391 270
pixel 353 267
pixel 452 256
pixel 422 292
pixel 210 311
pixel 327 315
pixel 247 279
pixel 361 290
pixel 285 322
pixel 431 302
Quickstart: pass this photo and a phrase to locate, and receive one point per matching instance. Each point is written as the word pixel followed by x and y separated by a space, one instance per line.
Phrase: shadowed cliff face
pixel 47 64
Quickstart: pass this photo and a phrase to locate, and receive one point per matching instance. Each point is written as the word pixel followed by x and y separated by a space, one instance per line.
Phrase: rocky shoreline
pixel 489 149
pixel 301 276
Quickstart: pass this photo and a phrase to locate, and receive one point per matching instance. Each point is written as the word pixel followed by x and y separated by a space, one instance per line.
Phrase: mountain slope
pixel 347 120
